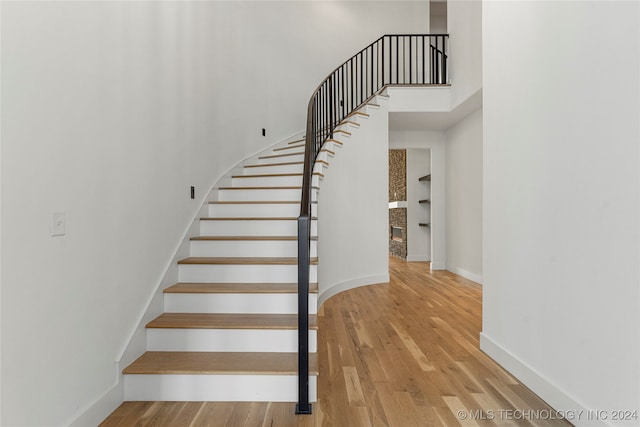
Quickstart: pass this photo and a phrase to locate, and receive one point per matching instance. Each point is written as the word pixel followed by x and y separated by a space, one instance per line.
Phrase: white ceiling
pixel 434 121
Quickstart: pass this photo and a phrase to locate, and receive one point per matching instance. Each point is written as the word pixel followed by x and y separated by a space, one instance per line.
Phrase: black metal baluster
pixel 361 76
pixel 342 90
pixel 371 72
pixel 440 52
pixel 389 59
pixel 381 57
pixel 410 55
pixel 433 64
pixel 445 58
pixel 352 85
pixel 423 54
pixel 397 60
pixel 331 107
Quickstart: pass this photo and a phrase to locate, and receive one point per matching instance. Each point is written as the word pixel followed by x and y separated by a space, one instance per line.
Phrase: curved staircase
pixel 235 327
pixel 229 331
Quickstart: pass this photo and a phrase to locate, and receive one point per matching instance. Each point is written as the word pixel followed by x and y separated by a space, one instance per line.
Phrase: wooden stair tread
pixel 209 363
pixel 266 188
pixel 275 164
pixel 266 175
pixel 243 261
pixel 296 141
pixel 256 202
pixel 262 188
pixel 266 218
pixel 228 321
pixel 248 238
pixel 289 147
pixel 239 288
pixel 281 155
pixel 358 113
pixel 239 218
pixel 271 175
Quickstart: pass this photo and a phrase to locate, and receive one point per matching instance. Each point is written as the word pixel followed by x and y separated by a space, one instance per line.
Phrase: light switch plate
pixel 58 224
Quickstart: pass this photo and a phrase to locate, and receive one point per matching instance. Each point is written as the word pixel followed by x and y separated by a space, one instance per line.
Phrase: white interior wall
pixel 464 197
pixel 110 111
pixel 418 238
pixel 434 141
pixel 464 24
pixel 561 197
pixel 353 214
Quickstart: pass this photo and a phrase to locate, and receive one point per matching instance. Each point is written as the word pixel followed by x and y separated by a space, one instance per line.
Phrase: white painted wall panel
pixel 353 215
pixel 464 197
pixel 561 216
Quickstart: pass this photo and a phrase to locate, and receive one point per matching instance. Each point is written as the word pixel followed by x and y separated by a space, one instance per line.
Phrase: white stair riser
pixel 287 227
pixel 350 127
pixel 227 340
pixel 319 167
pixel 246 210
pixel 225 388
pixel 236 303
pixel 297 168
pixel 295 146
pixel 342 135
pixel 247 248
pixel 295 156
pixel 325 157
pixel 227 273
pixel 270 181
pixel 285 195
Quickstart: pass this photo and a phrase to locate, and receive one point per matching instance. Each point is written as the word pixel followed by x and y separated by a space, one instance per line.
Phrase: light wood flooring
pixel 399 354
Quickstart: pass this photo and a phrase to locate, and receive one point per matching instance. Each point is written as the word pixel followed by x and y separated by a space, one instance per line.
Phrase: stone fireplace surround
pixel 398 193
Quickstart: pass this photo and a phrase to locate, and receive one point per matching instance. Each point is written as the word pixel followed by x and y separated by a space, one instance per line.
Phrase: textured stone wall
pixel 397 175
pixel 398 192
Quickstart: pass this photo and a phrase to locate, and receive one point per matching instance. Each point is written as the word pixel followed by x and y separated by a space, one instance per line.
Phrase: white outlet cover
pixel 58 224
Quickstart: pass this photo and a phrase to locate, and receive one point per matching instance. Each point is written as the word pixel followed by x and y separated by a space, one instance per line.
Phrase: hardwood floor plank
pixel 413 348
pixel 458 409
pixel 229 321
pixel 180 362
pixel 354 390
pixel 374 344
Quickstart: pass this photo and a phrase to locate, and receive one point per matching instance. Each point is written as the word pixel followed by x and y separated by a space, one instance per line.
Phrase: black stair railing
pixel 392 60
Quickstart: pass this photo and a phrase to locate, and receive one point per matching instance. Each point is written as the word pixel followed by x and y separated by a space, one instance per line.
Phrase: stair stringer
pixel 353 206
pixel 136 342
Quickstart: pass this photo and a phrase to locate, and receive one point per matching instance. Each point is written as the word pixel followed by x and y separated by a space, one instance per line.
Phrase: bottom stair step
pixel 204 376
pixel 207 363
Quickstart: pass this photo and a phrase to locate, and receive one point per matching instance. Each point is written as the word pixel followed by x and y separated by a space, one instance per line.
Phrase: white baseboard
pixel 466 274
pixel 351 284
pixel 418 258
pixel 545 388
pixel 438 265
pixel 101 408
